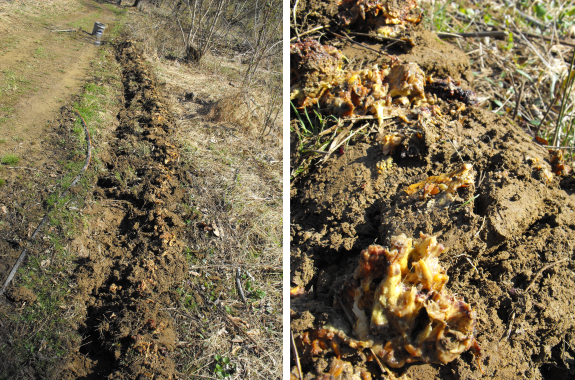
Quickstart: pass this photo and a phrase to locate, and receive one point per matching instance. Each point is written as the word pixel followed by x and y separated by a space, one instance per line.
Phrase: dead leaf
pixel 239 321
pixel 221 332
pixel 216 229
pixel 237 339
pixel 4 210
pixel 253 332
pixel 45 263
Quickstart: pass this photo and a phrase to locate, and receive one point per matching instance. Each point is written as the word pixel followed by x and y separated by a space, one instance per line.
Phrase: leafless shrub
pixel 246 32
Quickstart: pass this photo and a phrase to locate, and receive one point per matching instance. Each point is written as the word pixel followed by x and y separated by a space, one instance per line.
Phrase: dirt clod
pixel 21 294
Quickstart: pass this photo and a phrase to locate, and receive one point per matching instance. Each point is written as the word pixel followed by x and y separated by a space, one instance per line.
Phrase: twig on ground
pixel 519 98
pixel 542 270
pixel 510 326
pixel 308 32
pixel 23 168
pixel 557 147
pixel 467 257
pixel 239 285
pixel 499 34
pixel 481 178
pixel 296 356
pixel 480 228
pixel 378 361
pixel 472 34
pixel 461 158
pixel 374 36
pixel 294 18
pixel 250 276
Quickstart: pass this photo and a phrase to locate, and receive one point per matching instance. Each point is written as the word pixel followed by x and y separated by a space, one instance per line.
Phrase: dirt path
pixel 40 69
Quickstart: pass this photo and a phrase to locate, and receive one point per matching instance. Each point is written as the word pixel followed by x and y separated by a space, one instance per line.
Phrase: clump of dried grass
pixel 239 108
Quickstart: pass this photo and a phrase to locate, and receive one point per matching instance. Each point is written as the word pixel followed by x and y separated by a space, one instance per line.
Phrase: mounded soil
pixel 131 261
pixel 501 242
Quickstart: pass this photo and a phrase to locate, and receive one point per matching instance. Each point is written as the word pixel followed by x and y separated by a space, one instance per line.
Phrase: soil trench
pixel 130 261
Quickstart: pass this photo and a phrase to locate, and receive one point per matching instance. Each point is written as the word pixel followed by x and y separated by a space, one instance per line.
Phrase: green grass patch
pixel 10 159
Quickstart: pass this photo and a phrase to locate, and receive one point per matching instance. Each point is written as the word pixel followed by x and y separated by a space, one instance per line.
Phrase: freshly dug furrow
pixel 132 261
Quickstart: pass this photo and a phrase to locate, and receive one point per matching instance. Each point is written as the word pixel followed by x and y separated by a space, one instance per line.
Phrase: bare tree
pixel 197 21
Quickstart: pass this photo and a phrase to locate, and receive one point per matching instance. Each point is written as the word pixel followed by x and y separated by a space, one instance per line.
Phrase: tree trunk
pixel 193 54
pixel 136 3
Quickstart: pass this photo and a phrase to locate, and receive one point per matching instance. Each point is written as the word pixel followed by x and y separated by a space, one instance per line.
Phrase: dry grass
pixel 259 110
pixel 14 13
pixel 239 108
pixel 502 64
pixel 237 199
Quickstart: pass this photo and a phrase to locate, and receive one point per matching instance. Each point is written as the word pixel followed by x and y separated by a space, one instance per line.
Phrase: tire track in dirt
pixel 131 261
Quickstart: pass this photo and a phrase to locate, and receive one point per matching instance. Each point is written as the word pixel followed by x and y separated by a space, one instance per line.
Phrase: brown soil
pixel 48 69
pixel 21 294
pixel 131 253
pixel 497 243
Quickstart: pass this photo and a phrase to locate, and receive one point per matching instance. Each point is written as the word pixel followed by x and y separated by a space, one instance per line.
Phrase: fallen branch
pixel 308 32
pixel 239 285
pixel 21 167
pixel 500 34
